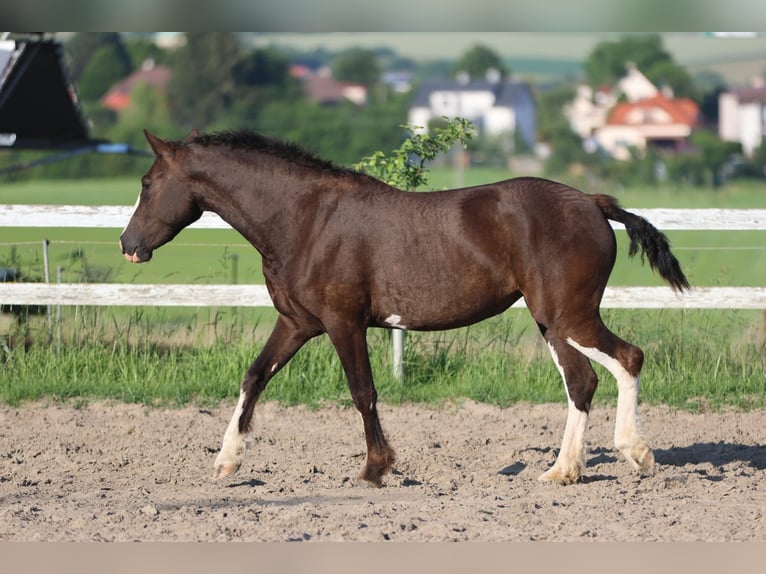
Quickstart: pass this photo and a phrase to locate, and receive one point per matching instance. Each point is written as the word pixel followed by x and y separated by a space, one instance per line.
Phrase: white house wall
pixel 750 126
pixel 728 117
pixel 636 86
pixel 469 105
pixel 419 117
pixel 499 120
pixel 617 140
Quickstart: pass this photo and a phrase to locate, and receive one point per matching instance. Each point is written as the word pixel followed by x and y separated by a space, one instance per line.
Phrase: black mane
pixel 250 140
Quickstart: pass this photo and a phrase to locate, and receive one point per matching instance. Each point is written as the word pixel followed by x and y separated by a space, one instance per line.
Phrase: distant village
pixel 632 114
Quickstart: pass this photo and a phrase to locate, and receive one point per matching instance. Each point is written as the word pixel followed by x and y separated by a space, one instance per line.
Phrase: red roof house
pixel 118 97
pixel 658 121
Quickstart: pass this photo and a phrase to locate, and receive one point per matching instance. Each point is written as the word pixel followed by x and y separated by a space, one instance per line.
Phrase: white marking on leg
pixel 274 367
pixel 569 463
pixel 627 436
pixel 394 321
pixel 234 443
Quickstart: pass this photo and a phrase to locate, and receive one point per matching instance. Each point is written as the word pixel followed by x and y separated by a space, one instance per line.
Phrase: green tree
pixel 260 77
pixel 266 67
pixel 148 110
pixel 342 133
pixel 83 45
pixel 405 166
pixel 606 64
pixel 478 61
pixel 104 69
pixel 357 65
pixel 553 128
pixel 713 153
pixel 141 49
pixel 202 87
pixel 667 73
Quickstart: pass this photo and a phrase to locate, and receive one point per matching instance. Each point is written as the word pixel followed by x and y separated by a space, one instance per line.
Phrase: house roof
pixel 506 93
pixel 118 97
pixel 751 95
pixel 681 110
pixel 327 90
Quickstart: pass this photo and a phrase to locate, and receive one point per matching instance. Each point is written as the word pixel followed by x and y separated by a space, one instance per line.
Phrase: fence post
pixel 47 272
pixel 397 337
pixel 59 271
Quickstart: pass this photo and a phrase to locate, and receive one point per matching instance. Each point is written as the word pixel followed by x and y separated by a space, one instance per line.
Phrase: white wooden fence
pixel 112 294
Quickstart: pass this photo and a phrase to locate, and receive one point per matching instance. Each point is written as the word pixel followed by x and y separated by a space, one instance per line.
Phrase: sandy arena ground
pixel 118 472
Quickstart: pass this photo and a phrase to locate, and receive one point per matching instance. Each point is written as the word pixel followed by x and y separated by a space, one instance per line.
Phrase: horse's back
pixel 453 257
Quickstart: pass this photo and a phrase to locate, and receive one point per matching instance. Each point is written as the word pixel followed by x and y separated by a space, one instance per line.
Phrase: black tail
pixel 653 242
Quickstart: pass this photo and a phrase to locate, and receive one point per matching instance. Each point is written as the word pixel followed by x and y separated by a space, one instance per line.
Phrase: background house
pixel 742 117
pixel 633 114
pixel 589 110
pixel 321 87
pixel 156 76
pixel 496 107
pixel 634 85
pixel 659 122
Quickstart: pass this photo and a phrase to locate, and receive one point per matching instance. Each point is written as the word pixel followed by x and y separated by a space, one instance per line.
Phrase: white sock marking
pixel 573 442
pixel 626 432
pixel 234 443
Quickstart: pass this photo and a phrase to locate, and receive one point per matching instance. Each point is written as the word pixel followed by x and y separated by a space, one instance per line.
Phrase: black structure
pixel 39 106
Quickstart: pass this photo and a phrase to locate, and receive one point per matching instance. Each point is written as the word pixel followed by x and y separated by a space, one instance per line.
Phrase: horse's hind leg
pixel 580 382
pixel 624 361
pixel 282 344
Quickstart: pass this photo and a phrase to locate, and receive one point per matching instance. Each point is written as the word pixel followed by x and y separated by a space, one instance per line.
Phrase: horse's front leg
pixel 351 346
pixel 283 343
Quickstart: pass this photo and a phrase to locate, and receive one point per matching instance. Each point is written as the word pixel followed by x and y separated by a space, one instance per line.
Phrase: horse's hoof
pixel 225 469
pixel 553 474
pixel 373 476
pixel 641 459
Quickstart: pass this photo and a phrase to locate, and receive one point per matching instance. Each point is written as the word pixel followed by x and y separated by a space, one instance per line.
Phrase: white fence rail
pixel 128 294
pixel 117 216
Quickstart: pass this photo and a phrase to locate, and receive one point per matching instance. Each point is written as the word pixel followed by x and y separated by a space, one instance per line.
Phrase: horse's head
pixel 165 205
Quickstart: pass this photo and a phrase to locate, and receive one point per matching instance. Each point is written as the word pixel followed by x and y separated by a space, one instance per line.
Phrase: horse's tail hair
pixel 653 243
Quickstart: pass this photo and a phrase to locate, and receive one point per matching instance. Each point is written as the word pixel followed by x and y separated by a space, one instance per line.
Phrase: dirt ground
pixel 116 472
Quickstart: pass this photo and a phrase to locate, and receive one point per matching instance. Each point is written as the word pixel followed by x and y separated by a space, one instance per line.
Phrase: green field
pixel 695 359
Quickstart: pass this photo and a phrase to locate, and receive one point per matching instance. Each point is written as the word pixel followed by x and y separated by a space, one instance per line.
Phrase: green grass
pixel 173 356
pixel 117 191
pixel 694 360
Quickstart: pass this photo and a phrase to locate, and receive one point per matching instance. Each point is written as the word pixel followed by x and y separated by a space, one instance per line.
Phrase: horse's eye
pixel 145 183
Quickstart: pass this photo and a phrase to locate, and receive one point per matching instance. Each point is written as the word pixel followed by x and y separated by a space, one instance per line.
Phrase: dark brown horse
pixel 343 252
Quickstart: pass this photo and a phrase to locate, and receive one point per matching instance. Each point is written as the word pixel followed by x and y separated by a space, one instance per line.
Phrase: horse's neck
pixel 259 204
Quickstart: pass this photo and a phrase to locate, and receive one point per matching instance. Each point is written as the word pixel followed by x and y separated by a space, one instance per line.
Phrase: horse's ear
pixel 159 146
pixel 194 133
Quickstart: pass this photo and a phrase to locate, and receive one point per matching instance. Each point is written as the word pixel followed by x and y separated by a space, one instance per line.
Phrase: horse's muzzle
pixel 135 254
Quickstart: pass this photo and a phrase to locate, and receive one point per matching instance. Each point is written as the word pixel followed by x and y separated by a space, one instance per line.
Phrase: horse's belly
pixel 433 311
